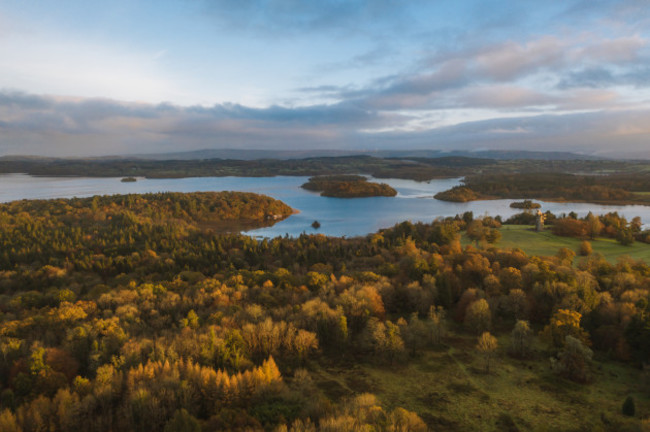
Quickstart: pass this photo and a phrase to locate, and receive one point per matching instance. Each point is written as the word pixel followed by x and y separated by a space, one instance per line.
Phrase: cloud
pixel 503 96
pixel 512 60
pixel 32 124
pixel 93 123
pixel 602 76
pixel 613 134
pixel 619 50
pixel 507 75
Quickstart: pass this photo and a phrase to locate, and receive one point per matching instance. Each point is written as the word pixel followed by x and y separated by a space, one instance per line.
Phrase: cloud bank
pixel 43 125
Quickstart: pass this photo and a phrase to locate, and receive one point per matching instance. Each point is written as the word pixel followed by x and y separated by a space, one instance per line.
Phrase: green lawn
pixel 545 243
pixel 450 391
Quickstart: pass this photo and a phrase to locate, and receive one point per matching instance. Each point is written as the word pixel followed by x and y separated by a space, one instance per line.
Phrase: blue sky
pixel 95 78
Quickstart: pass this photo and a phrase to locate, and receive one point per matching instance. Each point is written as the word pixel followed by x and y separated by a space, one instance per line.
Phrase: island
pixel 348 186
pixel 129 180
pixel 457 194
pixel 525 205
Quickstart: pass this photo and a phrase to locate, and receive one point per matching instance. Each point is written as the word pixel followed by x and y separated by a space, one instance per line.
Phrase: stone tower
pixel 539 221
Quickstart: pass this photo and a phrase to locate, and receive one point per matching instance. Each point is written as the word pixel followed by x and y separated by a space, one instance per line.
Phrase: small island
pixel 457 194
pixel 348 186
pixel 525 205
pixel 129 180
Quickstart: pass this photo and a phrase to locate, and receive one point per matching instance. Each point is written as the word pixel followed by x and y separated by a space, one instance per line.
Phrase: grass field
pixel 546 243
pixel 450 391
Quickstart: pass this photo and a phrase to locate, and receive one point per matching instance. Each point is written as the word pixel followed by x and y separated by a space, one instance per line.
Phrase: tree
pixel 394 344
pixel 437 324
pixel 8 422
pixel 565 255
pixel 564 323
pixel 570 227
pixel 521 339
pixel 479 232
pixel 585 248
pixel 476 231
pixel 517 303
pixel 414 333
pixel 37 361
pixel 492 235
pixel 594 226
pixel 573 360
pixel 183 421
pixel 625 236
pixel 629 407
pixel 401 420
pixel 478 316
pixel 304 342
pixel 384 339
pixel 487 345
pixel 444 233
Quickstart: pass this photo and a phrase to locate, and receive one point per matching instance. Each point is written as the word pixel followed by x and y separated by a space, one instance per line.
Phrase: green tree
pixel 192 320
pixel 625 236
pixel 476 231
pixel 183 421
pixel 414 334
pixel 37 361
pixel 573 360
pixel 629 408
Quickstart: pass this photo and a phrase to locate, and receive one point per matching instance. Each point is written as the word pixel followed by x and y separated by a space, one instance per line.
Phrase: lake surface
pixel 337 216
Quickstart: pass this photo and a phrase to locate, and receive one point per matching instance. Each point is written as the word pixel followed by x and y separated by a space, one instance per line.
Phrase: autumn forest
pixel 148 312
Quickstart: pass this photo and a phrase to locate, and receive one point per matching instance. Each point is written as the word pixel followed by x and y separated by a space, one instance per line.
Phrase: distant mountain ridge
pixel 252 154
pixel 245 154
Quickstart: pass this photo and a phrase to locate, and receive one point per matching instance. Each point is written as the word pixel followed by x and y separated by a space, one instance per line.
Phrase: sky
pixel 91 78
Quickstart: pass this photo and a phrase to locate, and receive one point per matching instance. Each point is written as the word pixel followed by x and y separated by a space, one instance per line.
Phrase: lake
pixel 338 216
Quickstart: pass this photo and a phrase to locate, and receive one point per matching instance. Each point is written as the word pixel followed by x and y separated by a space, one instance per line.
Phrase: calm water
pixel 337 216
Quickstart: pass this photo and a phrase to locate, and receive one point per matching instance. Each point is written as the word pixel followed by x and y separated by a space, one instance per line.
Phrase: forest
pixel 415 168
pixel 614 188
pixel 420 169
pixel 134 313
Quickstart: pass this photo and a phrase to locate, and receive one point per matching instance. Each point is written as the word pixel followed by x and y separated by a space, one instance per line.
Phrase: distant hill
pixel 245 154
pixel 250 155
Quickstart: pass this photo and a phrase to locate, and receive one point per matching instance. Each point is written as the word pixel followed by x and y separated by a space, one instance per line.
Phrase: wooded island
pixel 348 186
